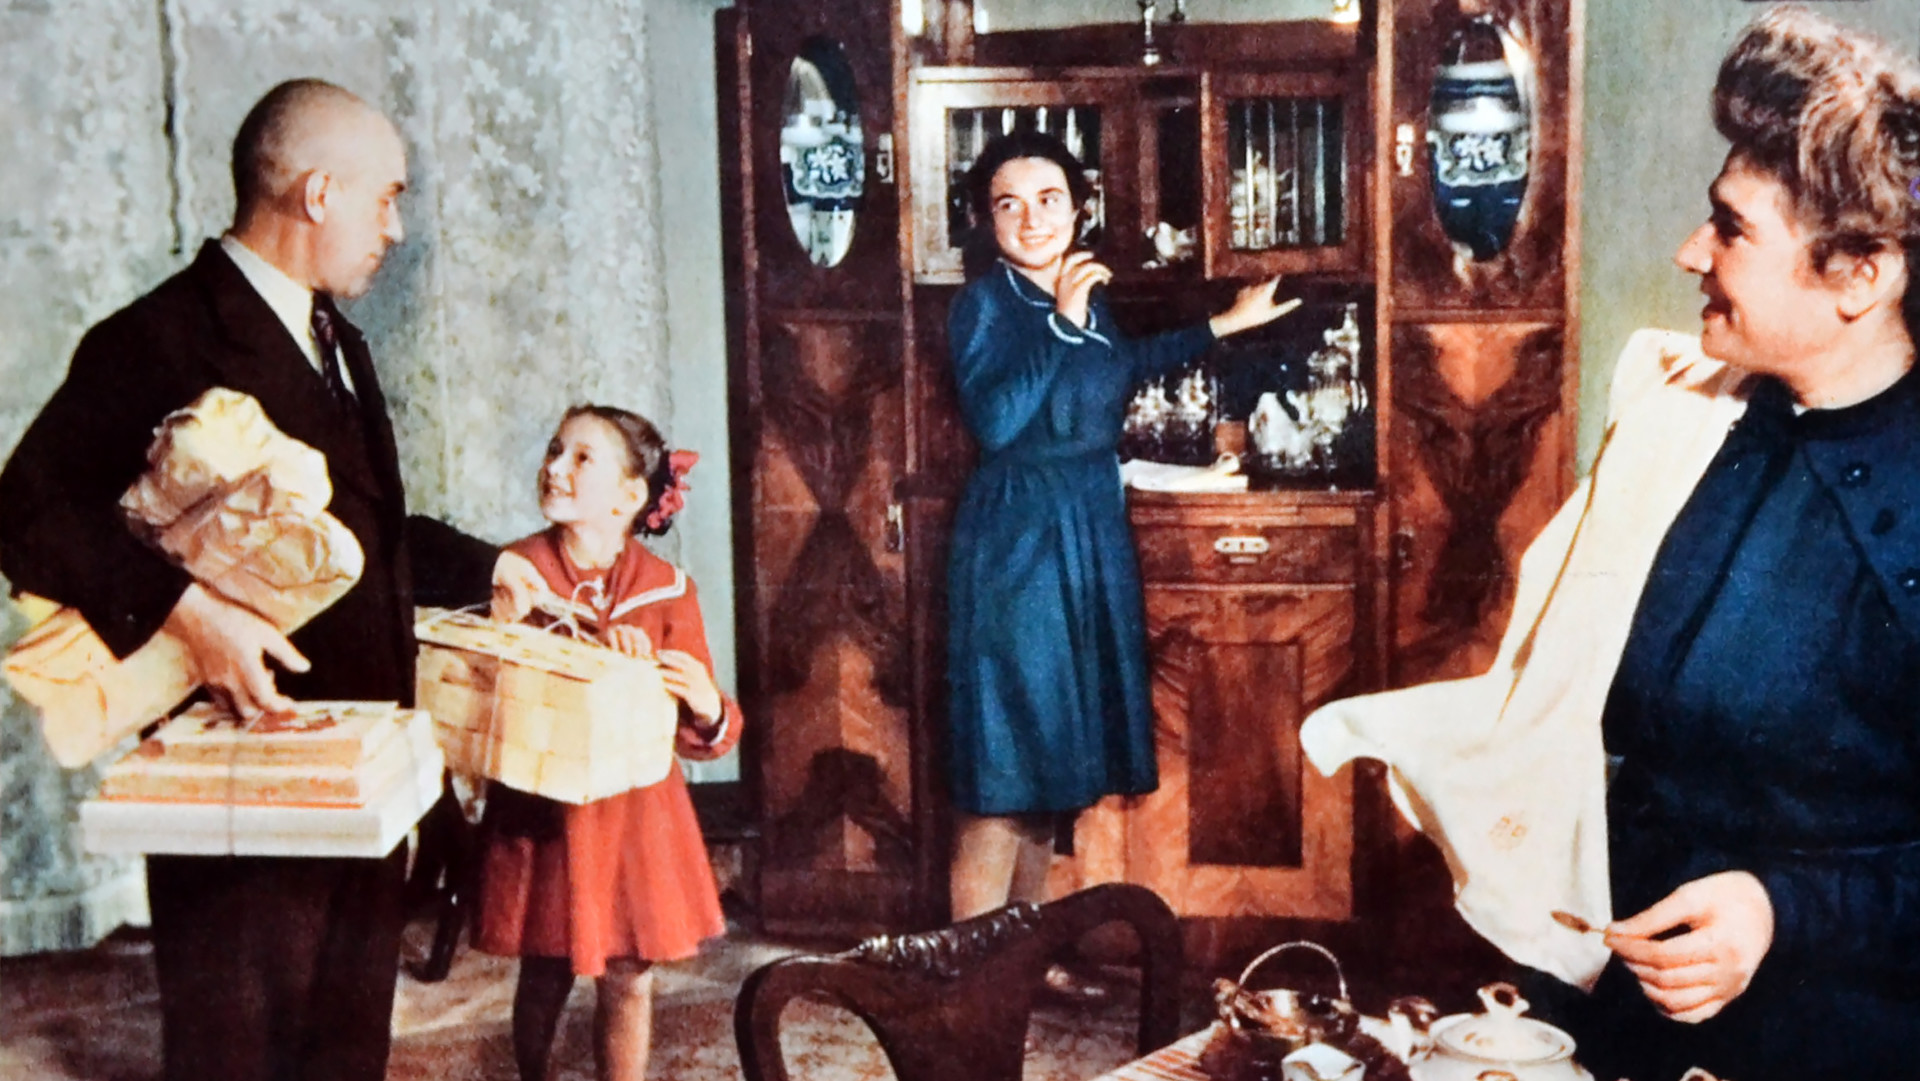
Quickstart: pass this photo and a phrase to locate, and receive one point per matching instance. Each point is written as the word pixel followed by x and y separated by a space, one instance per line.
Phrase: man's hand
pixel 516 583
pixel 690 682
pixel 229 645
pixel 1073 292
pixel 1727 922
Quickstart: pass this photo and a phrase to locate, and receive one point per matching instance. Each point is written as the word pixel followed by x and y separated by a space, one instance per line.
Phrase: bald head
pixel 299 126
pixel 317 177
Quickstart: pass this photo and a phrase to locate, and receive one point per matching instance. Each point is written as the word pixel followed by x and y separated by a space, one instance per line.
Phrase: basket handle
pixel 1338 973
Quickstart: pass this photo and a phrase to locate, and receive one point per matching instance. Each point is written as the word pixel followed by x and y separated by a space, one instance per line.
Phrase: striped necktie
pixel 326 334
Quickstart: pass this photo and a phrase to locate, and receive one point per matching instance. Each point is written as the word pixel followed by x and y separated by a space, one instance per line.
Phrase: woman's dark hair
pixel 1834 115
pixel 980 249
pixel 647 457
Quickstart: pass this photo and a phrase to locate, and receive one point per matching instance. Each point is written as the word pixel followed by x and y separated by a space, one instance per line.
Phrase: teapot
pixel 1281 1021
pixel 1498 1045
pixel 1276 435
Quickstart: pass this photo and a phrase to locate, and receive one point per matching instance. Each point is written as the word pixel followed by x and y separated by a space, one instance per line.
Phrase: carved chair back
pixel 953 1005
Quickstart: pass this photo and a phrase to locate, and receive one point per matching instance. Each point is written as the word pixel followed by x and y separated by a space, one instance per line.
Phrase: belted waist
pixel 1054 455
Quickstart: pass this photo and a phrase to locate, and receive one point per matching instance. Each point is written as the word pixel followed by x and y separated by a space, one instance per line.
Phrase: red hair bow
pixel 679 463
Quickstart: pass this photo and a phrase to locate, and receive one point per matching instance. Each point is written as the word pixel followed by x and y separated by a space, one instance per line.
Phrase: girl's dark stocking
pixel 538 1001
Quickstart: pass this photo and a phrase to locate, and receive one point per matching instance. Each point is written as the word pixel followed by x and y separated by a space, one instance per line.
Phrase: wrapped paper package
pixel 558 717
pixel 242 508
pixel 333 779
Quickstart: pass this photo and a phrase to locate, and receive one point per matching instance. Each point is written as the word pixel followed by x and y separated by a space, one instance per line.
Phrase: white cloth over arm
pixel 1505 771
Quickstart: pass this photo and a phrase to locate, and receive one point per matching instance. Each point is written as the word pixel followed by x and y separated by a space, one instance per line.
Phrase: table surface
pixel 1178 1061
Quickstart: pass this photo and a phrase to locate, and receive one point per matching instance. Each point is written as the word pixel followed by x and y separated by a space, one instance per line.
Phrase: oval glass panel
pixel 1480 133
pixel 823 157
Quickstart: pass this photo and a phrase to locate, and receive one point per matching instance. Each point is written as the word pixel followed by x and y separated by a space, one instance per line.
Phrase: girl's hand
pixel 1072 293
pixel 1254 306
pixel 689 681
pixel 629 640
pixel 515 584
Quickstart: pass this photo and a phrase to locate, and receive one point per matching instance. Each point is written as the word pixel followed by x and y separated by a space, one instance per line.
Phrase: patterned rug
pixel 93 1015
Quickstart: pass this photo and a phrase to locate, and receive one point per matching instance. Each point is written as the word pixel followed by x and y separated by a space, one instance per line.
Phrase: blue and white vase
pixel 1480 137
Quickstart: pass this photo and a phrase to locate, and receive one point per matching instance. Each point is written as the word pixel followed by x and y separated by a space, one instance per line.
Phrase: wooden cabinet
pixel 1259 608
pixel 1309 148
pixel 1484 366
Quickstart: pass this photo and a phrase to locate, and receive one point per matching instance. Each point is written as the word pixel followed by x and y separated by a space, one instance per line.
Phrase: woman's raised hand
pixel 1079 273
pixel 1254 306
pixel 515 584
pixel 689 681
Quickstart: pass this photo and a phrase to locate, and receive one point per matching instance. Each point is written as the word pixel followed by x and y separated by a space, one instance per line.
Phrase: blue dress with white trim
pixel 1046 651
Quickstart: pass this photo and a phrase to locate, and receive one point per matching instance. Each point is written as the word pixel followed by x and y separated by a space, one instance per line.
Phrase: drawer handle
pixel 1254 545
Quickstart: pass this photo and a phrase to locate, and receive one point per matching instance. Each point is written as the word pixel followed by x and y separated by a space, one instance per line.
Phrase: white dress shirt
pixel 292 303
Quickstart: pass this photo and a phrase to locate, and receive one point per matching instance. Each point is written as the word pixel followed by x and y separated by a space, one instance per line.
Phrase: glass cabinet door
pixel 957 112
pixel 1170 189
pixel 1279 153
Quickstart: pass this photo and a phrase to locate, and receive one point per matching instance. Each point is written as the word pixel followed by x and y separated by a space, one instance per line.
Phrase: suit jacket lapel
pixel 263 360
pixel 382 457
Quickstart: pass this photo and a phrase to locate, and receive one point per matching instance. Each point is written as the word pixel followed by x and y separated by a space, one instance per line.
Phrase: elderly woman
pixel 1732 604
pixel 1047 650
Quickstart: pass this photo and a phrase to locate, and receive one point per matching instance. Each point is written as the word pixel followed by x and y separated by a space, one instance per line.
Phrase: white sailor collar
pixel 1033 295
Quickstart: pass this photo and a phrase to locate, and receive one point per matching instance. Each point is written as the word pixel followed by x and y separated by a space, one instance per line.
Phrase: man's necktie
pixel 326 334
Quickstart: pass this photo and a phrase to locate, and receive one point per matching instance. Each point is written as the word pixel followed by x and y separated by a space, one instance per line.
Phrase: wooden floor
pixel 93 1015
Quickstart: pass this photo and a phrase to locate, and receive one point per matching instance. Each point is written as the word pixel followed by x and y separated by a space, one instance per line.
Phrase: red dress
pixel 625 876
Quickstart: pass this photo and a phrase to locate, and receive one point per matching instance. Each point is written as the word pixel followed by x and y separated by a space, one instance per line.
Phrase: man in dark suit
pixel 269 968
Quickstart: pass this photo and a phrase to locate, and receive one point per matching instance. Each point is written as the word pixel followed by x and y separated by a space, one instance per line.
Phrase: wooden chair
pixel 952 1005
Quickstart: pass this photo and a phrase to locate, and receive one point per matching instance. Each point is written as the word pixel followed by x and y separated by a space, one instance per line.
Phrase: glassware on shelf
pixel 1278 442
pixel 1335 391
pixel 1189 438
pixel 1286 166
pixel 1144 434
pixel 1171 246
pixel 1337 363
pixel 1314 429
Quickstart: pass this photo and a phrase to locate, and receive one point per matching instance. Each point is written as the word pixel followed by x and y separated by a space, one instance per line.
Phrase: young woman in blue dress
pixel 1047 650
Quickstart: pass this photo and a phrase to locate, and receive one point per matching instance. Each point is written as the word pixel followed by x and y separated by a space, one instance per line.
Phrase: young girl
pixel 605 889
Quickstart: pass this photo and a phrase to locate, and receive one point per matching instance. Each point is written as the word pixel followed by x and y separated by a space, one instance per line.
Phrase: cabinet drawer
pixel 1247 554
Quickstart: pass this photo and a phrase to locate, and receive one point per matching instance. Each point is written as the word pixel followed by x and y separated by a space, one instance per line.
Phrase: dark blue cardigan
pixel 1763 719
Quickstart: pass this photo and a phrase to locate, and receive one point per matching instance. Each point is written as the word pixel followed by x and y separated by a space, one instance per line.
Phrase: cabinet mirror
pixel 1480 137
pixel 822 151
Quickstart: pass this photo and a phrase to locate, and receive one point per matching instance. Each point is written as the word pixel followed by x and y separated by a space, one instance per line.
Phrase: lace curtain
pixel 531 277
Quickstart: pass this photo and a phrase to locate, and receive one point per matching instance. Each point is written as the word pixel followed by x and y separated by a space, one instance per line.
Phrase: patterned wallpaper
pixel 531 277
